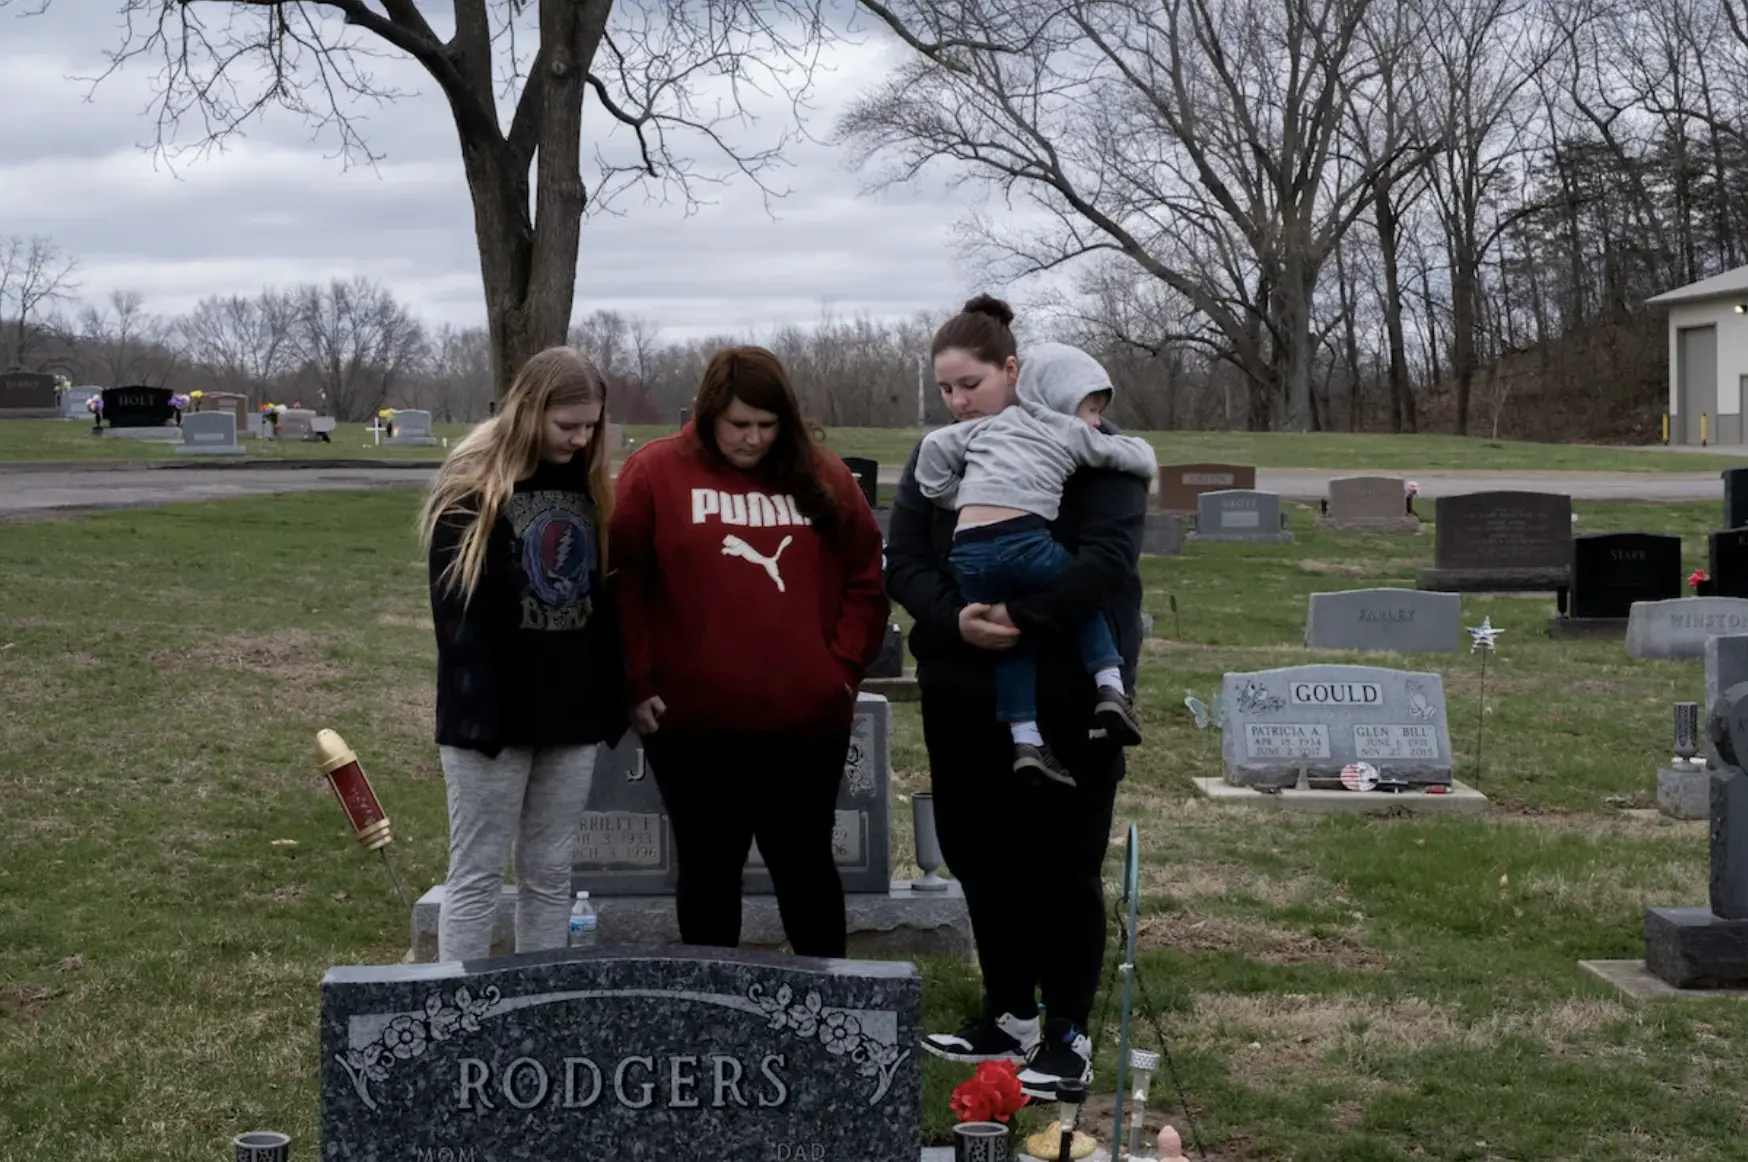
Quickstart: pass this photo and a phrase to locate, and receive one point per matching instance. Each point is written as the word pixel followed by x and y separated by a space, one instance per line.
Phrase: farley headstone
pixel 1368 504
pixel 1181 484
pixel 1408 621
pixel 625 846
pixel 29 395
pixel 1678 628
pixel 679 1056
pixel 1612 571
pixel 1314 720
pixel 1707 947
pixel 1239 515
pixel 1499 542
pixel 1727 562
pixel 412 429
pixel 210 434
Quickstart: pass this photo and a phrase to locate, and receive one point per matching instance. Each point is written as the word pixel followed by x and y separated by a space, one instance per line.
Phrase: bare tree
pixel 1197 140
pixel 123 343
pixel 357 341
pixel 649 64
pixel 245 342
pixel 34 274
pixel 460 374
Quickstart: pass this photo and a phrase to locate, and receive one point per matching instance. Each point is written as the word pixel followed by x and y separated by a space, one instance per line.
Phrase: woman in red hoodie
pixel 748 567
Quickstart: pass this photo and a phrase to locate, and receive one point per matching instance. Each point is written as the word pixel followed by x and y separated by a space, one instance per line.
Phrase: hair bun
pixel 989 305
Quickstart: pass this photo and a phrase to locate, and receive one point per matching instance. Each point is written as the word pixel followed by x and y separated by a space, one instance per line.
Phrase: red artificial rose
pixel 1003 1080
pixel 1696 577
pixel 974 1101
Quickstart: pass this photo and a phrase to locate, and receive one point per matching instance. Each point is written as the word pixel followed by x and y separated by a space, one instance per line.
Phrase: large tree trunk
pixel 1402 417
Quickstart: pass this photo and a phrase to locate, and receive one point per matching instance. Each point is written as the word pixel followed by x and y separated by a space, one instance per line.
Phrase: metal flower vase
pixel 980 1142
pixel 928 846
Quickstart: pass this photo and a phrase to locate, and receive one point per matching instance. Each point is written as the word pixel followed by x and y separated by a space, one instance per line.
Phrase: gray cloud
pixel 276 208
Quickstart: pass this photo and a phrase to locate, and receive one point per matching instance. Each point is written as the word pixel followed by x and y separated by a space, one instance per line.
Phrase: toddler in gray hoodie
pixel 1004 475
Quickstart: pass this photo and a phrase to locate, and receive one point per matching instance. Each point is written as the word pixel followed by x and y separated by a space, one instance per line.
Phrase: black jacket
pixel 537 657
pixel 1100 523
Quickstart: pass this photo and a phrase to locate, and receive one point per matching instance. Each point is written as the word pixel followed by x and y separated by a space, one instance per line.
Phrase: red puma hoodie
pixel 735 611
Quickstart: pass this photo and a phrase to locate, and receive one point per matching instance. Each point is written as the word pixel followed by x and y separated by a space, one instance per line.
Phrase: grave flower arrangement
pixel 94 405
pixel 1700 582
pixel 992 1094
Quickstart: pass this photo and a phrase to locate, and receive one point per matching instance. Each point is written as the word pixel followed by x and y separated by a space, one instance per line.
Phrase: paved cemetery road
pixel 35 492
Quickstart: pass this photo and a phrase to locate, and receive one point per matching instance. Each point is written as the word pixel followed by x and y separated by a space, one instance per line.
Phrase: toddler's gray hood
pixel 1057 377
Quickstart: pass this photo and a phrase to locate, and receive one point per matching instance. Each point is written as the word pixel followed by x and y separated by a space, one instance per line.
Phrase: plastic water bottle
pixel 583 922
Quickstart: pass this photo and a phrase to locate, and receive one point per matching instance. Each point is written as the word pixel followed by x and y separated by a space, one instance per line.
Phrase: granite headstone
pixel 210 434
pixel 1319 718
pixel 412 429
pixel 1162 535
pixel 1368 504
pixel 1707 947
pixel 1726 662
pixel 626 845
pixel 1409 621
pixel 682 1056
pixel 867 474
pixel 1612 571
pixel 137 407
pixel 75 402
pixel 1735 498
pixel 1499 542
pixel 28 395
pixel 1678 628
pixel 1181 484
pixel 890 663
pixel 1239 515
pixel 1727 562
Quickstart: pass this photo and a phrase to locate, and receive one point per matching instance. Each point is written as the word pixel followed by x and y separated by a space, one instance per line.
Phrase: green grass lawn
pixel 24 440
pixel 1332 989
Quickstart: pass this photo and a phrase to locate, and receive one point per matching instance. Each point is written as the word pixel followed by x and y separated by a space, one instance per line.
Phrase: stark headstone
pixel 1319 718
pixel 1491 542
pixel 1408 621
pixel 1239 515
pixel 1181 484
pixel 1612 571
pixel 1368 504
pixel 684 1056
pixel 1678 628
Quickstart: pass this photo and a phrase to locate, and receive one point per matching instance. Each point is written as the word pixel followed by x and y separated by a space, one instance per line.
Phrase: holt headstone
pixel 137 407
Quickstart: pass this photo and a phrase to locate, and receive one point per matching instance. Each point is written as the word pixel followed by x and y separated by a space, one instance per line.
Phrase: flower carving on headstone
pixel 1254 698
pixel 408 1035
pixel 840 1032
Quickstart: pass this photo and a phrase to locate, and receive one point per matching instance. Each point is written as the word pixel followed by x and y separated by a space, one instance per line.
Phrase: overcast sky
pixel 277 209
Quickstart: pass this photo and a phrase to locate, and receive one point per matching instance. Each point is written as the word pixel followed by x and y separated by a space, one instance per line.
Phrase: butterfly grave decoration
pixel 1210 713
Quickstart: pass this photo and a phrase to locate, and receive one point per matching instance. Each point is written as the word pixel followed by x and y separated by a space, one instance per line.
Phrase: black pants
pixel 1030 854
pixel 723 790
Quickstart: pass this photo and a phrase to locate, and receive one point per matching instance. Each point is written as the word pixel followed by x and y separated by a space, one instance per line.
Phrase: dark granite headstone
pixel 1727 562
pixel 137 407
pixel 1610 571
pixel 1500 541
pixel 686 1056
pixel 1162 535
pixel 1708 947
pixel 626 844
pixel 890 663
pixel 1735 498
pixel 867 474
pixel 28 394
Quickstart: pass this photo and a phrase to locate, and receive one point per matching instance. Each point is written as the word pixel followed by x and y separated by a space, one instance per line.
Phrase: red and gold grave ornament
pixel 352 787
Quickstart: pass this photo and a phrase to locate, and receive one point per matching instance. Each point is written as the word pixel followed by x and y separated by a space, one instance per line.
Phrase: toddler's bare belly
pixel 987 514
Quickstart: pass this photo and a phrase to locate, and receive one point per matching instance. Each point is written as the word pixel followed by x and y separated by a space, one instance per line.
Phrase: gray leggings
pixel 529 801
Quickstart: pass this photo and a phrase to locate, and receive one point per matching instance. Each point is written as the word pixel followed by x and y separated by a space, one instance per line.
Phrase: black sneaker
pixel 1115 712
pixel 1003 1038
pixel 1030 759
pixel 1063 1053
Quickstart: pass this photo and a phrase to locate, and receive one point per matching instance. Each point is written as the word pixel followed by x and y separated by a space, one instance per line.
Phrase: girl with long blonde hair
pixel 530 662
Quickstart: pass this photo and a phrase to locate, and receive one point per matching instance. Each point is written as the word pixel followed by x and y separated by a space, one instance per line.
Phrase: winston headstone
pixel 682 1056
pixel 1678 628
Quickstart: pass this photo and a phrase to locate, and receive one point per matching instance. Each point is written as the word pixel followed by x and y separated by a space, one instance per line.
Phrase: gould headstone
pixel 1314 720
pixel 681 1056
